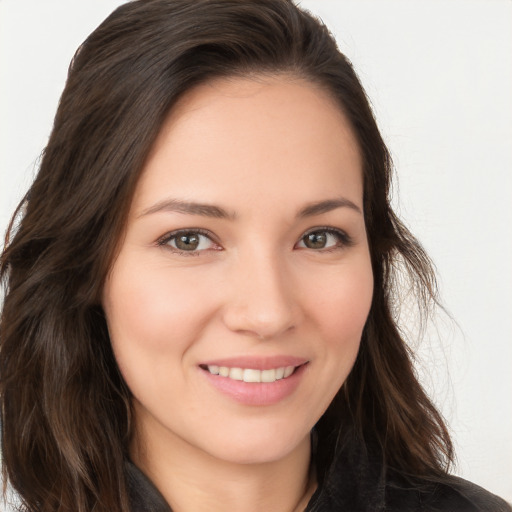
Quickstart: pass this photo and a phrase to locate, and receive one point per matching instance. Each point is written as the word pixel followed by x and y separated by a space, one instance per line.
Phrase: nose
pixel 262 300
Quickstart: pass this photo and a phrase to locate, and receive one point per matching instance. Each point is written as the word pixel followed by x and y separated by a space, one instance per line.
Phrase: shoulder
pixel 452 494
pixel 357 482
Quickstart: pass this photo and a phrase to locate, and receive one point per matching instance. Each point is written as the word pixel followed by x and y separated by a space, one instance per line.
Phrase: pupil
pixel 316 240
pixel 187 242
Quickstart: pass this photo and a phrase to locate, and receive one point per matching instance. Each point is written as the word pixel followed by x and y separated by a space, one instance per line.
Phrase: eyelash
pixel 164 241
pixel 344 240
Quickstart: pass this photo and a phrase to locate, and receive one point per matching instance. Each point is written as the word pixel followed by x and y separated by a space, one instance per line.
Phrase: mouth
pixel 256 381
pixel 252 374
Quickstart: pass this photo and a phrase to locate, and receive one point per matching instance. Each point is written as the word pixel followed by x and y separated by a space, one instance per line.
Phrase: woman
pixel 199 299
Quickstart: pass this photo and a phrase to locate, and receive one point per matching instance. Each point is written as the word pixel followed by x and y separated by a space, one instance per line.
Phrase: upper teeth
pixel 251 375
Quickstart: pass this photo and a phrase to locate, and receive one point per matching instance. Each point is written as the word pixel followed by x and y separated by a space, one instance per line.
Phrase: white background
pixel 439 74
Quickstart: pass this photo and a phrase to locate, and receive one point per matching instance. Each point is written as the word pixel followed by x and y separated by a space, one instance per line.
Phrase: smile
pixel 252 375
pixel 256 381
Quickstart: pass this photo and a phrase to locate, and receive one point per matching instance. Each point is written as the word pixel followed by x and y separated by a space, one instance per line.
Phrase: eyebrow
pixel 188 207
pixel 210 210
pixel 327 206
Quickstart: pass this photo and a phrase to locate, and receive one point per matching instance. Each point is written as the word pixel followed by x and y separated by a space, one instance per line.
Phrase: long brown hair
pixel 66 414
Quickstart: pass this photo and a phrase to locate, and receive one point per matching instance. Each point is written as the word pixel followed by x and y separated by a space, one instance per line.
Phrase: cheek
pixel 339 311
pixel 344 305
pixel 151 313
pixel 342 315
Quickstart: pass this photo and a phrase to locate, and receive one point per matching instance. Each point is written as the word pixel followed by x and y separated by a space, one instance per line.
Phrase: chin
pixel 258 449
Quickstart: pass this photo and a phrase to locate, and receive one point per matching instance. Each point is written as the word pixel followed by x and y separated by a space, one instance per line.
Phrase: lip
pixel 257 363
pixel 256 393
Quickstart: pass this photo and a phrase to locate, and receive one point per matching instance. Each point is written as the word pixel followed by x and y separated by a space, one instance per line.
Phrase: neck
pixel 193 480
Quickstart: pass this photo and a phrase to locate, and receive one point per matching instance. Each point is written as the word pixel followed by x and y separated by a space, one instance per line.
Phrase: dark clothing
pixel 356 484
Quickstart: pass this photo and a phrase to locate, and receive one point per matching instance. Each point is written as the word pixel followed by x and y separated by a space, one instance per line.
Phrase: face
pixel 241 289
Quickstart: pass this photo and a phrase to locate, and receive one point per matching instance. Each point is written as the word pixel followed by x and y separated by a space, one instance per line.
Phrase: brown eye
pixel 187 241
pixel 327 238
pixel 316 240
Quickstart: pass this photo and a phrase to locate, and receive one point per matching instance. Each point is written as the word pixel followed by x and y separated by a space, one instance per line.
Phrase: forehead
pixel 244 137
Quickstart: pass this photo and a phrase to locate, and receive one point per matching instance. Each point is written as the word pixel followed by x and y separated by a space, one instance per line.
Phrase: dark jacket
pixel 356 483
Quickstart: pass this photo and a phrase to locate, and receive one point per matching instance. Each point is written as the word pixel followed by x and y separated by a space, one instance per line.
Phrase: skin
pixel 262 149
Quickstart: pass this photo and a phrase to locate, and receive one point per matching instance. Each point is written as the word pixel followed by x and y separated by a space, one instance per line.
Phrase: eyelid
pixel 164 240
pixel 344 238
